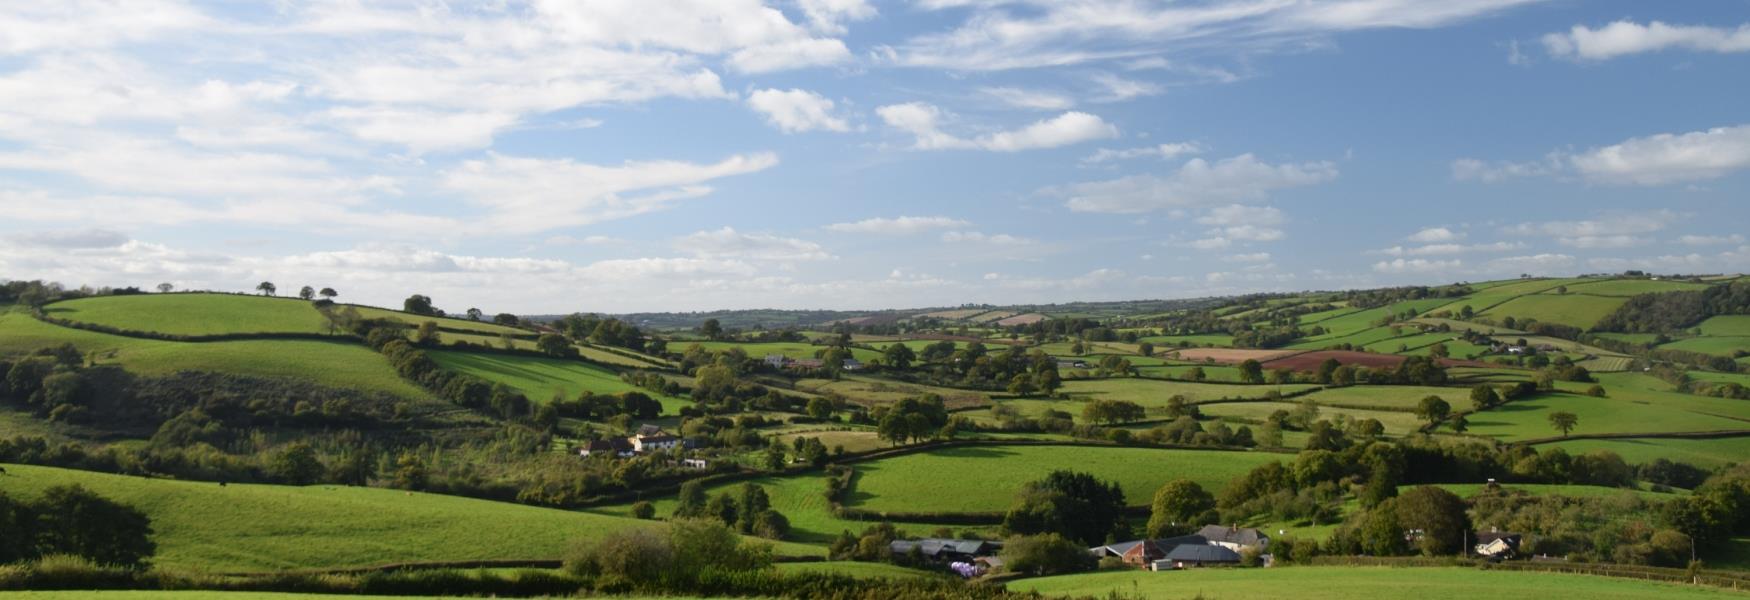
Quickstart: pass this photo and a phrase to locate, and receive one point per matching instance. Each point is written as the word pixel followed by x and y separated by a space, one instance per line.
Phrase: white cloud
pixel 1435 234
pixel 1209 243
pixel 534 194
pixel 729 243
pixel 1197 183
pixel 1621 38
pixel 902 225
pixel 974 237
pixel 1237 215
pixel 69 239
pixel 1611 230
pixel 1029 99
pixel 1166 151
pixel 1445 249
pixel 830 16
pixel 796 110
pixel 1666 263
pixel 423 131
pixel 1416 265
pixel 1119 89
pixel 1668 158
pixel 1659 159
pixel 85 24
pixel 1537 264
pixel 923 121
pixel 1710 240
pixel 1018 34
pixel 1254 257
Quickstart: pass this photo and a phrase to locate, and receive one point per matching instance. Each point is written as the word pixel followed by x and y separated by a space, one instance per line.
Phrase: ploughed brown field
pixel 1229 355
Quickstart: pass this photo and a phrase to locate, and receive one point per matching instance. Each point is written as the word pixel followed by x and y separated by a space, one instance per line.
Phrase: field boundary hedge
pixel 1713 577
pixel 173 337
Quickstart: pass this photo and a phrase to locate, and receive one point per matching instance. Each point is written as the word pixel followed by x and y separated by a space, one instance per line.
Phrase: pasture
pixel 1155 392
pixel 794 350
pixel 1398 397
pixel 540 378
pixel 194 314
pixel 1718 346
pixel 1726 325
pixel 1209 339
pixel 986 478
pixel 1461 326
pixel 1706 454
pixel 1528 418
pixel 336 364
pixel 1224 355
pixel 1568 309
pixel 1633 287
pixel 480 327
pixel 1395 422
pixel 1344 583
pixel 876 391
pixel 247 527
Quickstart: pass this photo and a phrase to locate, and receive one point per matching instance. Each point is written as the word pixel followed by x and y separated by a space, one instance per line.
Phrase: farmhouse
pixel 776 361
pixel 1070 363
pixel 852 364
pixel 1234 538
pixel 1141 553
pixel 945 550
pixel 1497 545
pixel 651 438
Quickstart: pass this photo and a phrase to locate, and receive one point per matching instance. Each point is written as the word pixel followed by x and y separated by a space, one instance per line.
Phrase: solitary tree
pixel 899 356
pixel 1176 505
pixel 307 293
pixel 1145 349
pixel 328 293
pixel 1251 371
pixel 266 288
pixel 711 329
pixel 474 314
pixel 164 288
pixel 418 304
pixel 1564 421
pixel 1433 409
pixel 1483 396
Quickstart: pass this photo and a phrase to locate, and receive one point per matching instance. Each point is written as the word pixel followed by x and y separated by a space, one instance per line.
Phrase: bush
pixel 1048 554
pixel 643 509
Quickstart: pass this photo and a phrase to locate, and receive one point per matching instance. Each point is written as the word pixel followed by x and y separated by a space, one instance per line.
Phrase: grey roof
pixel 934 546
pixel 1512 539
pixel 1244 536
pixel 1205 553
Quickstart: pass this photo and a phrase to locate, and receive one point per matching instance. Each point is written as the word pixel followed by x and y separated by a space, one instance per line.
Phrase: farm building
pixel 1234 538
pixel 944 550
pixel 651 438
pixel 620 447
pixel 1192 555
pixel 1497 545
pixel 1140 553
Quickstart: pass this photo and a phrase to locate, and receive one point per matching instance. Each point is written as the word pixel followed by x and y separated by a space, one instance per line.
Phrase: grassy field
pixel 801 498
pixel 1390 396
pixel 1633 287
pixel 874 391
pixel 1395 422
pixel 986 478
pixel 1154 392
pixel 760 350
pixel 1343 583
pixel 540 378
pixel 1208 339
pixel 1489 297
pixel 1706 454
pixel 1726 325
pixel 335 364
pixel 1461 326
pixel 1528 419
pixel 197 595
pixel 265 527
pixel 492 329
pixel 1721 346
pixel 194 314
pixel 1567 309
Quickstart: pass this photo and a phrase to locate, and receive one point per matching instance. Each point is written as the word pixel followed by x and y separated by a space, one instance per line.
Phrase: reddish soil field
pixel 1227 355
pixel 1026 319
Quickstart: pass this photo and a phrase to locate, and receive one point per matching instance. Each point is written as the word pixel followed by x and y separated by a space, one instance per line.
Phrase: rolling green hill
pixel 540 378
pixel 1342 583
pixel 247 528
pixel 194 314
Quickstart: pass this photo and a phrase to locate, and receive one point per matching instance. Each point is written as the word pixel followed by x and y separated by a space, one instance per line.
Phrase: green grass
pixel 1395 422
pixel 1207 339
pixel 492 329
pixel 1567 309
pixel 1528 419
pixel 1633 338
pixel 1719 346
pixel 1373 335
pixel 204 595
pixel 760 350
pixel 1726 325
pixel 1706 454
pixel 1179 371
pixel 801 499
pixel 874 390
pixel 194 314
pixel 1344 583
pixel 1633 287
pixel 1462 326
pixel 1154 393
pixel 1404 397
pixel 1489 297
pixel 243 527
pixel 986 478
pixel 540 378
pixel 336 364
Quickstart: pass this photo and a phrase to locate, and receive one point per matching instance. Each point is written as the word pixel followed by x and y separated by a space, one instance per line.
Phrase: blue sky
pixel 558 156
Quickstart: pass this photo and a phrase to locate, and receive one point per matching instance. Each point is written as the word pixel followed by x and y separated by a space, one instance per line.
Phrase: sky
pixel 557 156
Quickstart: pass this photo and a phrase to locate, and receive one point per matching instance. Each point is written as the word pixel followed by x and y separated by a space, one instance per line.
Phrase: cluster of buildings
pixel 1213 545
pixel 779 361
pixel 648 438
